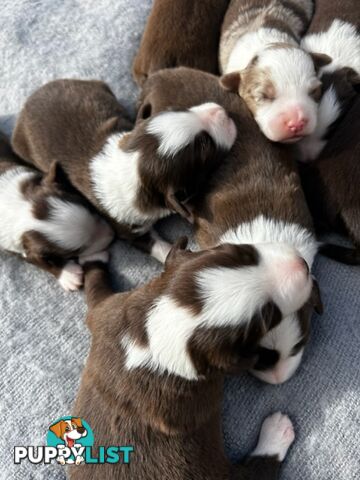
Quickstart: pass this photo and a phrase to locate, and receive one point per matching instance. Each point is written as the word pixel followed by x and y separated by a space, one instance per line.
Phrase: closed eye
pixel 316 92
pixel 296 349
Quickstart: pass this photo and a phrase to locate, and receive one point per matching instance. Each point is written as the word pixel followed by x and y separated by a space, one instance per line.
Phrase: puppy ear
pixel 315 298
pixel 320 60
pixel 58 429
pixel 353 78
pixel 77 421
pixel 231 81
pixel 175 204
pixel 178 247
pixel 55 174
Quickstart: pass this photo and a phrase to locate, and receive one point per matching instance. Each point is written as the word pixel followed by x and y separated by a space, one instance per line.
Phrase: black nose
pixel 80 429
pixel 266 358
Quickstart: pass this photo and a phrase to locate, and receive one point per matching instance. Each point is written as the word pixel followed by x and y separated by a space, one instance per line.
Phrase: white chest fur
pixel 115 179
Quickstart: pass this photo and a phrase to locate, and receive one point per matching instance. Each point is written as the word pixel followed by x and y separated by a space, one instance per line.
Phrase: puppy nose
pixel 81 429
pixel 296 126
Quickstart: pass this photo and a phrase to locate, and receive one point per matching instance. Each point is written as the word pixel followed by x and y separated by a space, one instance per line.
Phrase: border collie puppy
pixel 133 178
pixel 332 152
pixel 154 374
pixel 261 59
pixel 44 222
pixel 184 33
pixel 255 198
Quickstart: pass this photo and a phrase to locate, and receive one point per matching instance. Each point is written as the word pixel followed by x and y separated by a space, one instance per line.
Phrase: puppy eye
pixel 315 93
pixel 296 349
pixel 263 97
pixel 67 429
pixel 74 426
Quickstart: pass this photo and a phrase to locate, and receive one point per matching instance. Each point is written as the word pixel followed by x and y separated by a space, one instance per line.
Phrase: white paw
pixel 161 248
pixel 71 277
pixel 276 436
pixel 79 460
pixel 61 460
pixel 95 257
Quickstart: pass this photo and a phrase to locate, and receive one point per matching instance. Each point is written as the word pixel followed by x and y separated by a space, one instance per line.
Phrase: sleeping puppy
pixel 184 33
pixel 133 178
pixel 154 374
pixel 261 59
pixel 44 222
pixel 331 180
pixel 255 198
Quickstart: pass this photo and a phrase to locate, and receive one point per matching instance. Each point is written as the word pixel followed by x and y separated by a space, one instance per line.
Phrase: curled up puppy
pixel 154 374
pixel 133 177
pixel 183 33
pixel 331 177
pixel 46 223
pixel 254 198
pixel 261 59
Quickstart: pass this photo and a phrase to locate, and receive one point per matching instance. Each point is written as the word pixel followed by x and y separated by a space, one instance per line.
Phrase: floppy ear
pixel 77 421
pixel 315 298
pixel 320 60
pixel 55 174
pixel 178 247
pixel 231 81
pixel 58 429
pixel 354 79
pixel 173 202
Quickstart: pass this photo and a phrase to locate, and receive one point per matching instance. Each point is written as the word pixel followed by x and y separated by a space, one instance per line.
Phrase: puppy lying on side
pixel 184 33
pixel 44 222
pixel 255 198
pixel 332 181
pixel 261 59
pixel 134 178
pixel 154 374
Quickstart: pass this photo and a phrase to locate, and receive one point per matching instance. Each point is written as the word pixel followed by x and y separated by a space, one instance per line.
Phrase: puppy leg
pixel 97 280
pixel 153 244
pixel 38 251
pixel 276 436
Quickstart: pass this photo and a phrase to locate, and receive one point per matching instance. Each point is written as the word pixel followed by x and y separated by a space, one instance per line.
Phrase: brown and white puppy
pixel 69 431
pixel 134 178
pixel 154 374
pixel 331 180
pixel 44 222
pixel 184 33
pixel 261 59
pixel 255 198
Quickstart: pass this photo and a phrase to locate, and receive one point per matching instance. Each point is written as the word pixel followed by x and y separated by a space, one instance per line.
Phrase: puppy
pixel 154 374
pixel 331 181
pixel 184 33
pixel 44 222
pixel 133 178
pixel 255 198
pixel 69 431
pixel 261 59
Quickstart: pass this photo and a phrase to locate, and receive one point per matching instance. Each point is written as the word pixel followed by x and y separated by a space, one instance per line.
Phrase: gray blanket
pixel 44 342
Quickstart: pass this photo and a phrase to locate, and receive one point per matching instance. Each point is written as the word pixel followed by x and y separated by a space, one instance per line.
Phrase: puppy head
pixel 71 429
pixel 216 305
pixel 180 150
pixel 68 219
pixel 281 349
pixel 281 88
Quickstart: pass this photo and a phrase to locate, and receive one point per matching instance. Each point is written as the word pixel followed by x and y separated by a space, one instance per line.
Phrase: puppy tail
pixel 97 284
pixel 346 255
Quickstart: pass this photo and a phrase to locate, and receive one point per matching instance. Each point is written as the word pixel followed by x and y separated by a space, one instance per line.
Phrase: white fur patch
pixel 160 248
pixel 341 42
pixel 176 130
pixel 276 436
pixel 115 179
pixel 282 338
pixel 266 230
pixel 71 277
pixel 329 110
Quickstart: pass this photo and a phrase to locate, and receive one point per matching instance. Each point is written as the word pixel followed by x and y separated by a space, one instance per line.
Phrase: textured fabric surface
pixel 43 341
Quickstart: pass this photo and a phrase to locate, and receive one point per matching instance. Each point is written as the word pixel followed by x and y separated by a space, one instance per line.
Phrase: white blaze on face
pixel 292 113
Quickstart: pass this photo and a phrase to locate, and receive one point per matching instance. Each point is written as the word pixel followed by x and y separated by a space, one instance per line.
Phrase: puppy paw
pixel 79 460
pixel 61 460
pixel 71 277
pixel 95 257
pixel 276 436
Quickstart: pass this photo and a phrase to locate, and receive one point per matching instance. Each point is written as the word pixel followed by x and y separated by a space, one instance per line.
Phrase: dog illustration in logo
pixel 69 431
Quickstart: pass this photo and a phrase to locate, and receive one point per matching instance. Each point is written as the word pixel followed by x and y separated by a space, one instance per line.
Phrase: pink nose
pixel 296 125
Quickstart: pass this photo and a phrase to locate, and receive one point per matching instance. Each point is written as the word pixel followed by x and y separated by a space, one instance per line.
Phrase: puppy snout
pixel 81 430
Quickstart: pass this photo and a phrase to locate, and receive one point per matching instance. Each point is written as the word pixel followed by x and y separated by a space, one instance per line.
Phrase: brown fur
pixel 181 33
pixel 174 424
